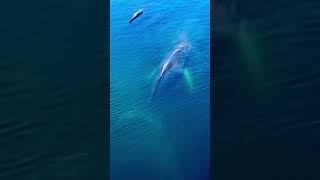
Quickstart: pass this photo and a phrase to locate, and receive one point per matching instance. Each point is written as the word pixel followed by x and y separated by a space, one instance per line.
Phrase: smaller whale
pixel 136 15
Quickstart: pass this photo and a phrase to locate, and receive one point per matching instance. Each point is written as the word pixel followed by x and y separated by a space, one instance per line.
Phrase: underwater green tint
pixel 188 79
pixel 251 53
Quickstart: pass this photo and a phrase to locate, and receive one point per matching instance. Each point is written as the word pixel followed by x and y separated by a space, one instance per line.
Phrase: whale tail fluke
pixel 153 93
pixel 155 87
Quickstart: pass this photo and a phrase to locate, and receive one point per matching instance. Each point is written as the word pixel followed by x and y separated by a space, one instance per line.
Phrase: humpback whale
pixel 136 15
pixel 174 61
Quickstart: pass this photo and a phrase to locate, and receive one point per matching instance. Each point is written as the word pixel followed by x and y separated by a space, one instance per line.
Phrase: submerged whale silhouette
pixel 136 15
pixel 173 61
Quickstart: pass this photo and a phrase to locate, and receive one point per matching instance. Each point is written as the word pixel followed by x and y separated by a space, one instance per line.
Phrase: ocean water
pixel 53 84
pixel 266 84
pixel 165 135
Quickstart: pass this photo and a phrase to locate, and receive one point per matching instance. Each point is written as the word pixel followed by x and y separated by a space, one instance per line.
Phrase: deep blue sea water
pixel 167 137
pixel 54 84
pixel 266 85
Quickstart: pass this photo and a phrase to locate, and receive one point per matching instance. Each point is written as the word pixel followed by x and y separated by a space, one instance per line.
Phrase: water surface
pixel 169 136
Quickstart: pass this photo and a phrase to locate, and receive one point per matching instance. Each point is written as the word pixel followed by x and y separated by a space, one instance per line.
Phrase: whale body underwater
pixel 173 62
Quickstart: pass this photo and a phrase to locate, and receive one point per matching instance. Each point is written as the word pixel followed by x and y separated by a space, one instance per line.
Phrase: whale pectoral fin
pixel 188 78
pixel 152 74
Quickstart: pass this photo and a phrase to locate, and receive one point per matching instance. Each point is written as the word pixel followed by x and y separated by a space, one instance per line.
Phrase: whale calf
pixel 174 61
pixel 136 15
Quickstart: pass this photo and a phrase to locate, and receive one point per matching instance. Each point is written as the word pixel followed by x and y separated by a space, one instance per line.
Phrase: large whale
pixel 136 15
pixel 174 61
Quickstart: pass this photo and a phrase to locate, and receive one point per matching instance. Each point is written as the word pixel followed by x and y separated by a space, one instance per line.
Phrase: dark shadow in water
pixel 266 77
pixel 53 90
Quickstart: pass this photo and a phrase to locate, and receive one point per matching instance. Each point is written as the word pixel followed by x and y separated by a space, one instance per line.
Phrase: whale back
pixel 172 59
